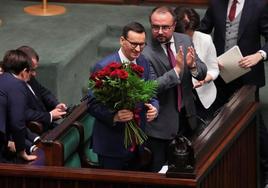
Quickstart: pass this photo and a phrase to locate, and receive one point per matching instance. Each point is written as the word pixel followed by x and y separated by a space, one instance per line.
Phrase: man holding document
pixel 241 23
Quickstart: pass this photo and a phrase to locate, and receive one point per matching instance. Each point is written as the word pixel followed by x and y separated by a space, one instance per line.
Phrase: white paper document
pixel 231 69
pixel 164 169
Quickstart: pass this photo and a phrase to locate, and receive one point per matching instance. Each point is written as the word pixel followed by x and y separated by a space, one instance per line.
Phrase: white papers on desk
pixel 164 169
pixel 231 69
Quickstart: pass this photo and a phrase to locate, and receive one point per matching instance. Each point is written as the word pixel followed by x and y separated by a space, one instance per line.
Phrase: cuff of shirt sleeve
pixel 33 148
pixel 263 54
pixel 50 117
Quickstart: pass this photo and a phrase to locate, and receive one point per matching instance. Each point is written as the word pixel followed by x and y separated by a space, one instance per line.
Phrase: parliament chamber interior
pixel 223 152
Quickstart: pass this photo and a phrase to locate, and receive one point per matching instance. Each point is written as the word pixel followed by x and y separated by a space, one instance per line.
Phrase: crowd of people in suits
pixel 180 55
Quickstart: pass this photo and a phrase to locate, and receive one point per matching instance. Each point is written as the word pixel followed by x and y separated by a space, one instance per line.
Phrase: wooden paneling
pixel 178 2
pixel 92 1
pixel 137 2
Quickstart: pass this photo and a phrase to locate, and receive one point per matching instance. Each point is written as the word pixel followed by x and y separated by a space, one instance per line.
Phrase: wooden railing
pixel 225 155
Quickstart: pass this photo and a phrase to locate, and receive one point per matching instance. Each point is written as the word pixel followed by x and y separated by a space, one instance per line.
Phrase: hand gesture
pixel 180 61
pixel 123 116
pixel 151 112
pixel 190 57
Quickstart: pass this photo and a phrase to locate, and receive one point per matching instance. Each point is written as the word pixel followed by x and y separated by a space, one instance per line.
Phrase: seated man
pixel 45 108
pixel 13 102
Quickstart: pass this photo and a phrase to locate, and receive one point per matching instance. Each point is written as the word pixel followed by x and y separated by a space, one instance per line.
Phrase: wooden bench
pixel 68 144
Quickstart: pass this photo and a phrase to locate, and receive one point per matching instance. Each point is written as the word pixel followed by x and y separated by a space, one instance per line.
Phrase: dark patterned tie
pixel 231 15
pixel 173 62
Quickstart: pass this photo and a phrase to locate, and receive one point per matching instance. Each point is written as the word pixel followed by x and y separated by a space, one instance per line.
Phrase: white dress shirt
pixel 123 58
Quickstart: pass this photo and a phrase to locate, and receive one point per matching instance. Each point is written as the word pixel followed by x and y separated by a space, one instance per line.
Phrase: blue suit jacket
pixel 40 104
pixel 108 138
pixel 13 102
pixel 253 24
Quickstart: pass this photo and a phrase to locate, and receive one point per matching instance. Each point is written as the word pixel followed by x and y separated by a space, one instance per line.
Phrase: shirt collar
pixel 123 58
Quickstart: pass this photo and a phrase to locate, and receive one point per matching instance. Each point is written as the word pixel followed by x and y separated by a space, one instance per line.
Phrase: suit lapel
pixel 161 55
pixel 140 62
pixel 222 13
pixel 117 57
pixel 245 17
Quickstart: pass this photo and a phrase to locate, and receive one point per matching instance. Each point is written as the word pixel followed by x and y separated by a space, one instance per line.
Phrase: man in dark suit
pixel 13 101
pixel 243 27
pixel 245 30
pixel 177 110
pixel 44 106
pixel 108 132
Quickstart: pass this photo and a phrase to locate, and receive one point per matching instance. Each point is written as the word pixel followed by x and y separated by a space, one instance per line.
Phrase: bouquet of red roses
pixel 120 86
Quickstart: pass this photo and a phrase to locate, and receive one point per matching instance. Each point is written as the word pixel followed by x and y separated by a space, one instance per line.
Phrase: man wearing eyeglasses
pixel 108 132
pixel 177 110
pixel 45 108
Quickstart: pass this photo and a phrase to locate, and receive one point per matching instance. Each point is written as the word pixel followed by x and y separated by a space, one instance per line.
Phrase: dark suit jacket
pixel 253 24
pixel 40 104
pixel 47 98
pixel 108 138
pixel 166 125
pixel 13 99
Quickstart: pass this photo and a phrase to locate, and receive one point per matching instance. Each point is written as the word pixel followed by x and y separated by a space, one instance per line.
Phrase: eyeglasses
pixel 165 28
pixel 135 44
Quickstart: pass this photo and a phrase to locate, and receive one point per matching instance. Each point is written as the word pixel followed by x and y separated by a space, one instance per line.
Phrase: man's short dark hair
pixel 16 61
pixel 163 9
pixel 29 51
pixel 133 26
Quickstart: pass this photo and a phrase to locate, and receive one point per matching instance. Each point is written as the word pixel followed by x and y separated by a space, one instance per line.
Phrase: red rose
pixel 102 73
pixel 114 65
pixel 137 69
pixel 122 74
pixel 93 76
pixel 98 83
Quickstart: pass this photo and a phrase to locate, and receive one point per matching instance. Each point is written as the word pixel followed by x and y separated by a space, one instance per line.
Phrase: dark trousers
pixel 159 149
pixel 119 163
